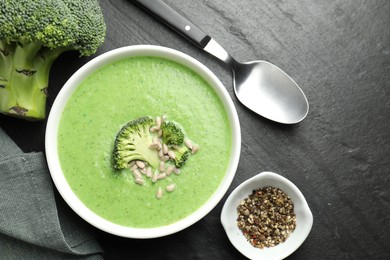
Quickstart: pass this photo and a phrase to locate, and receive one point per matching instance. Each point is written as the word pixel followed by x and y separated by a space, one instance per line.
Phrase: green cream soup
pixel 123 91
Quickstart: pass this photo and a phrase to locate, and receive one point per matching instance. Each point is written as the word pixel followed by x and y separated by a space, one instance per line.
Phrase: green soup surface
pixel 125 90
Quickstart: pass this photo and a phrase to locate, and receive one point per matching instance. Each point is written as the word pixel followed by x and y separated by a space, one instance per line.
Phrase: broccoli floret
pixel 142 140
pixel 172 133
pixel 133 143
pixel 181 155
pixel 33 33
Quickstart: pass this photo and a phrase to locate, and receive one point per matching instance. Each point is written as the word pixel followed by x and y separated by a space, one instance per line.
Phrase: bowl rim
pixel 65 93
pixel 304 217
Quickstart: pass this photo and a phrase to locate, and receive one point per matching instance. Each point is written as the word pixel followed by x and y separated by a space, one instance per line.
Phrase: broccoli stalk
pixel 32 35
pixel 24 79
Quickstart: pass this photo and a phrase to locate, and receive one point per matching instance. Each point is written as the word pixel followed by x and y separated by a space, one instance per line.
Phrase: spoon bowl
pixel 264 88
pixel 268 91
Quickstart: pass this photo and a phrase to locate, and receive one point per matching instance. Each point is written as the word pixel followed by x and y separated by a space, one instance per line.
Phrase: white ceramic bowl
pixel 304 217
pixel 55 115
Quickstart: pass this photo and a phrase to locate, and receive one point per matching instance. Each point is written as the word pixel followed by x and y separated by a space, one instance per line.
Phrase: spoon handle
pixel 176 21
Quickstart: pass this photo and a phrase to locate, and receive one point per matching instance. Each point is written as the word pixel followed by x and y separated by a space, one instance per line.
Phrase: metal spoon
pixel 259 85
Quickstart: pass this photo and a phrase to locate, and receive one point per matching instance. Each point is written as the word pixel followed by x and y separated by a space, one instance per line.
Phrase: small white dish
pixel 304 217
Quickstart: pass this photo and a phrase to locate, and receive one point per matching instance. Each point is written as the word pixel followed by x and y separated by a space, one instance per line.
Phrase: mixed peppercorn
pixel 266 217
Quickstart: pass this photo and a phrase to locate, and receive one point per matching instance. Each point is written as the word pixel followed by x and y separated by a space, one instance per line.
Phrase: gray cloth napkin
pixel 33 224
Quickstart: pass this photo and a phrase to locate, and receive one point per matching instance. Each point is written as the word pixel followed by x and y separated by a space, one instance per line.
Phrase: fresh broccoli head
pixel 181 155
pixel 33 33
pixel 172 133
pixel 133 143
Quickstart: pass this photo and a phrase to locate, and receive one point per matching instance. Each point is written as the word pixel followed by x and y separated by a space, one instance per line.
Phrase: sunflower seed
pixel 134 167
pixel 154 146
pixel 188 143
pixel 140 181
pixel 137 174
pixel 163 118
pixel 176 170
pixel 159 193
pixel 162 166
pixel 160 153
pixel 149 172
pixel 195 148
pixel 165 148
pixel 171 187
pixel 172 154
pixel 140 164
pixel 165 158
pixel 169 170
pixel 161 176
pixel 158 121
pixel 154 177
pixel 154 129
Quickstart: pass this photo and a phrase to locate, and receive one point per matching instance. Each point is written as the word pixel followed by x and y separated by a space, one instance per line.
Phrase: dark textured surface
pixel 338 51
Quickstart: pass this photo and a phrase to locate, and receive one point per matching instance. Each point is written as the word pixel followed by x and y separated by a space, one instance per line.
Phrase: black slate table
pixel 338 51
